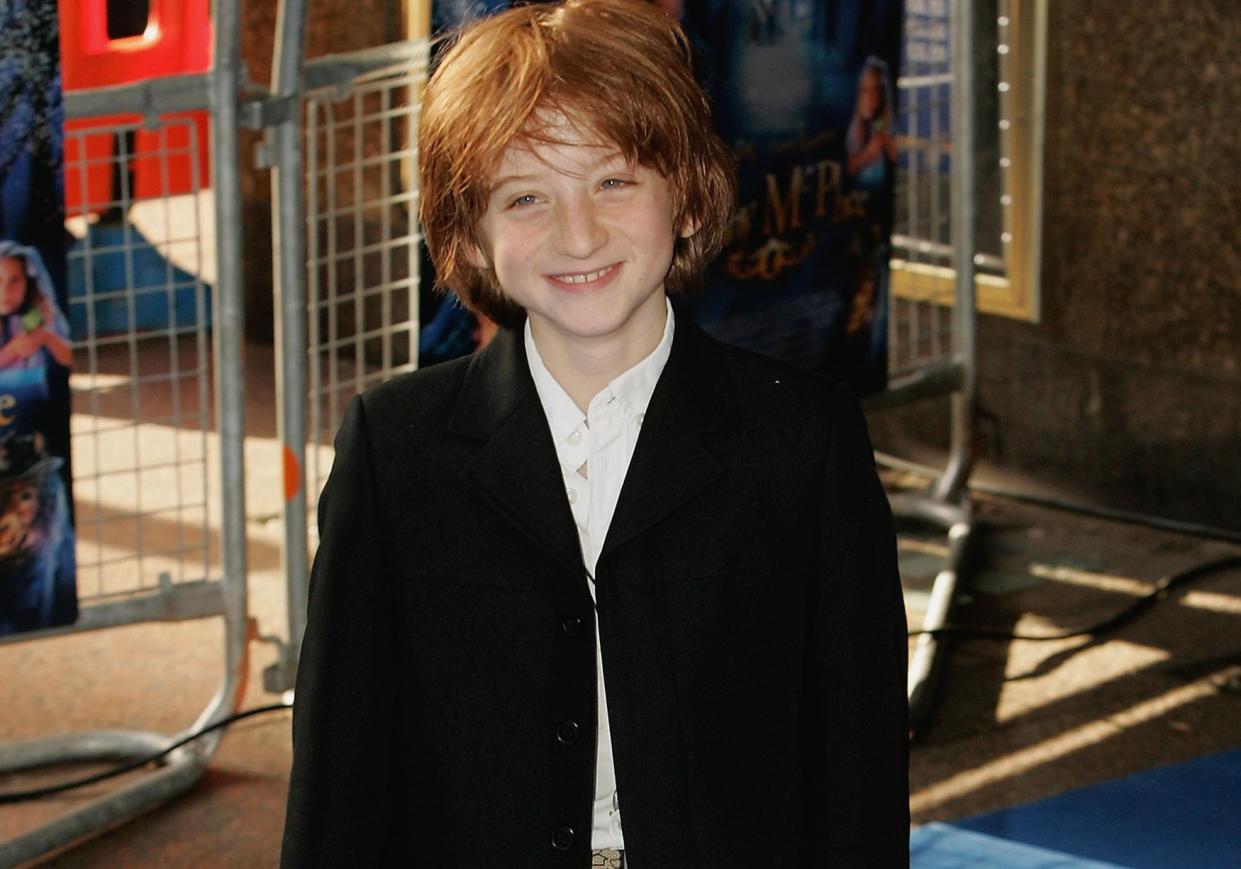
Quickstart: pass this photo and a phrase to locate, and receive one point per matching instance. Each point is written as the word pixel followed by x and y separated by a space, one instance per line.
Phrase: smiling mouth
pixel 586 277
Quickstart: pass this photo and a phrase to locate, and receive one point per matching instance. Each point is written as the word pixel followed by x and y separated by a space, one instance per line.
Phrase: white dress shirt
pixel 601 442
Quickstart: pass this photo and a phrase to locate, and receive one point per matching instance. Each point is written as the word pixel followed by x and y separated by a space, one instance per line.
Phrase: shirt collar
pixel 634 386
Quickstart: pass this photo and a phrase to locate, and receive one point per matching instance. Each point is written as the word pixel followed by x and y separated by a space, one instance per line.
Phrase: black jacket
pixel 749 613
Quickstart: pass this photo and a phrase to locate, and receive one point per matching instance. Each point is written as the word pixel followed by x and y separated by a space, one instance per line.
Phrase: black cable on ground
pixel 1158 591
pixel 138 763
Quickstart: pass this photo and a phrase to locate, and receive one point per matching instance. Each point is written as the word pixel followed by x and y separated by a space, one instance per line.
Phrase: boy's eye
pixel 614 183
pixel 528 199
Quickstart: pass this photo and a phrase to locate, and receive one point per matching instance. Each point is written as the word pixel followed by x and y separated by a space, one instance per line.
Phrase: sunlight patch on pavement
pixel 1071 741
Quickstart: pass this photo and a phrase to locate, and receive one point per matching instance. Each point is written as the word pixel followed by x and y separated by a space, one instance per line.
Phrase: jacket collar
pixel 516 469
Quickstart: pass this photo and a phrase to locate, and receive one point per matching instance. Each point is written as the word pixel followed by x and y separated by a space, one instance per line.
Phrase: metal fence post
pixel 289 260
pixel 964 212
pixel 228 333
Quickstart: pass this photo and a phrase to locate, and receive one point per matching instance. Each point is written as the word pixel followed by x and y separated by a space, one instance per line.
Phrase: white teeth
pixel 582 279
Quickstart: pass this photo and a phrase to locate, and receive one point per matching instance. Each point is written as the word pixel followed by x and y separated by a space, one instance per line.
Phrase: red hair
pixel 619 69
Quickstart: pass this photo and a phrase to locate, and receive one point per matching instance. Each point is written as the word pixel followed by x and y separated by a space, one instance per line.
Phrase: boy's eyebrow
pixel 508 179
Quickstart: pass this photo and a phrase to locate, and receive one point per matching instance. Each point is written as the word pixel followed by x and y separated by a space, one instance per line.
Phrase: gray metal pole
pixel 927 659
pixel 289 255
pixel 951 485
pixel 228 337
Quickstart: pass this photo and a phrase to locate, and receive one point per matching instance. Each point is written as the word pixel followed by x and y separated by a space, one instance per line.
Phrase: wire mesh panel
pixel 363 246
pixel 139 311
pixel 921 323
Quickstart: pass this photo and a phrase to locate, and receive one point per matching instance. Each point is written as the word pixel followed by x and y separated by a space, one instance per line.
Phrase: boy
pixel 607 587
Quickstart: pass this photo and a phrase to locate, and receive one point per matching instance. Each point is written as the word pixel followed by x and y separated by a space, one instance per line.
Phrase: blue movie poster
pixel 37 575
pixel 803 91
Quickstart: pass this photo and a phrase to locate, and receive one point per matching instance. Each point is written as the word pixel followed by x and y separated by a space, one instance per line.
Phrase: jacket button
pixel 567 732
pixel 562 838
pixel 572 626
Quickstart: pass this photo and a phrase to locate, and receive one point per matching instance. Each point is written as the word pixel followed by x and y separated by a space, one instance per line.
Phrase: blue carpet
pixel 941 846
pixel 1186 815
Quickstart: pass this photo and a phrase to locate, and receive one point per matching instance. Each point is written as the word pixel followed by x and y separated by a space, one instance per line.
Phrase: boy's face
pixel 582 240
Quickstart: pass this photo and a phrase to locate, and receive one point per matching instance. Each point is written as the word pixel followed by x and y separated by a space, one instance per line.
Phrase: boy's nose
pixel 581 232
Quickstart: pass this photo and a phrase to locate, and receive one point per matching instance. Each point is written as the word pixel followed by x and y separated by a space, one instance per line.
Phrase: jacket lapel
pixel 515 468
pixel 672 464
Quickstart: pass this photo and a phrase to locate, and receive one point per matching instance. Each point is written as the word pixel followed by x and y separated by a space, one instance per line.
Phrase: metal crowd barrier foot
pixel 181 769
pixel 926 662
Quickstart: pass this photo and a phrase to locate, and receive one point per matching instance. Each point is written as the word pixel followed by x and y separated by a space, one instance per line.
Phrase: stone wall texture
pixel 1127 393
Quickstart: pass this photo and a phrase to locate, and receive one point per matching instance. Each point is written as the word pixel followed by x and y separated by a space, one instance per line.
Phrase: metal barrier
pixel 144 454
pixel 932 337
pixel 344 181
pixel 343 139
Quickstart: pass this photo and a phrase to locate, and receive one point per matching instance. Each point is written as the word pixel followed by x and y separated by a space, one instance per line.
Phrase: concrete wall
pixel 1128 392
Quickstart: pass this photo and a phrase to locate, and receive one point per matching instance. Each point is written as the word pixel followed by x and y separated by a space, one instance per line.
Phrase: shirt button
pixel 575 437
pixel 572 495
pixel 567 732
pixel 572 626
pixel 562 838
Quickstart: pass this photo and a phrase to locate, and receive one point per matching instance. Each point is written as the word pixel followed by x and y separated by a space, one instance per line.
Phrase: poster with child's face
pixel 802 90
pixel 37 563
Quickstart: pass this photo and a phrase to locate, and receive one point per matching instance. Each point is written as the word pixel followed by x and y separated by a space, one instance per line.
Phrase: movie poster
pixel 37 576
pixel 804 93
